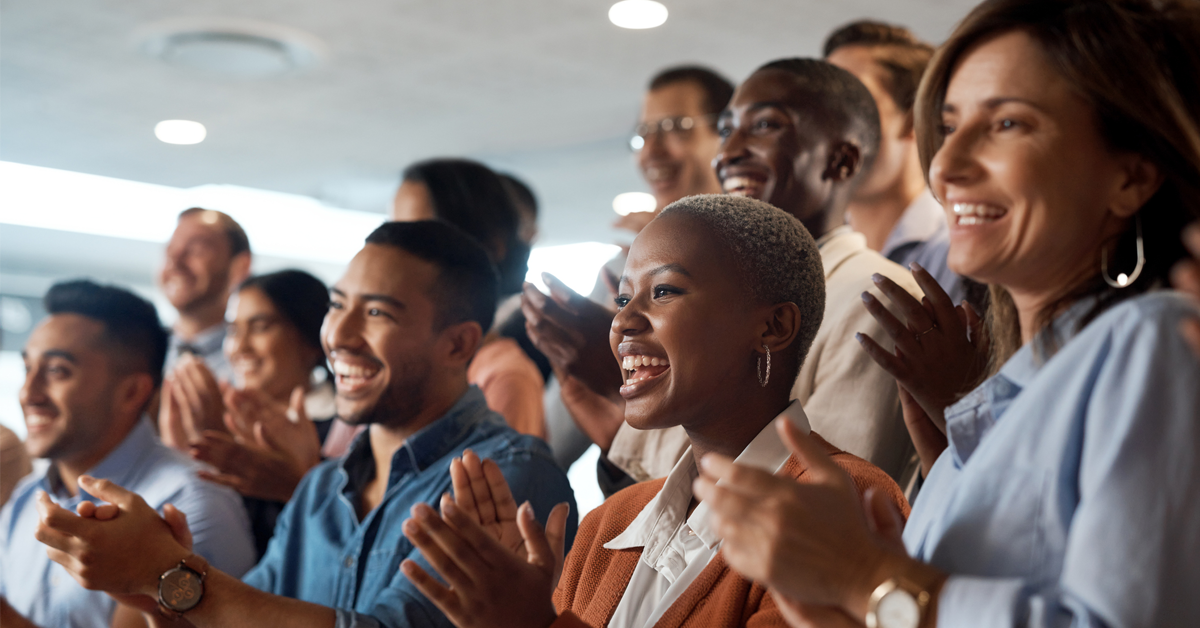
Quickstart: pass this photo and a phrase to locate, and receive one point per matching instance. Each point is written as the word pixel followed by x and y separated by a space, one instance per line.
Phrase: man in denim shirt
pixel 403 324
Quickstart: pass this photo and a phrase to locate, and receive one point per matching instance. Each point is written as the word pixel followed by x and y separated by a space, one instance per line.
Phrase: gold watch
pixel 897 603
pixel 181 588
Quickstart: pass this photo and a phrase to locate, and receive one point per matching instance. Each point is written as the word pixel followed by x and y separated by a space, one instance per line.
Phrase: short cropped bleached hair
pixel 776 256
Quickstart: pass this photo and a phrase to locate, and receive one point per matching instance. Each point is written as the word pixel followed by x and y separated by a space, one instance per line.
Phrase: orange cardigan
pixel 594 578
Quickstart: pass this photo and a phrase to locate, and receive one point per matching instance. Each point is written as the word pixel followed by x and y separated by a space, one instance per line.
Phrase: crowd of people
pixel 912 339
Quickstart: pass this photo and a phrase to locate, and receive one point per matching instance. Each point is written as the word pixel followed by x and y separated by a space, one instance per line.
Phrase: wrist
pixel 900 568
pixel 161 564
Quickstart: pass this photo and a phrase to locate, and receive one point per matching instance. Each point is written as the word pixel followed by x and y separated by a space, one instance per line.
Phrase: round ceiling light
pixel 638 14
pixel 633 202
pixel 180 132
pixel 238 49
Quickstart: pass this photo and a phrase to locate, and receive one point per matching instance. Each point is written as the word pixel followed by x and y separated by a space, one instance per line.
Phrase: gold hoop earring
pixel 1123 280
pixel 762 381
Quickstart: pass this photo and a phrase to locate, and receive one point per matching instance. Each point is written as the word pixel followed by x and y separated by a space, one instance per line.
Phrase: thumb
pixel 178 523
pixel 537 545
pixel 559 291
pixel 808 452
pixel 108 491
pixel 883 518
pixel 296 411
pixel 263 438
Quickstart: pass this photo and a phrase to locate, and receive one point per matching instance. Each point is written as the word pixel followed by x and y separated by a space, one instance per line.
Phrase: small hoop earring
pixel 1123 280
pixel 762 381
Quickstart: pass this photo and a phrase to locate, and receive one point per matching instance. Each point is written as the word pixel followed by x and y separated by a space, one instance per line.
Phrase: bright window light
pixel 180 132
pixel 280 225
pixel 638 14
pixel 633 202
pixel 576 265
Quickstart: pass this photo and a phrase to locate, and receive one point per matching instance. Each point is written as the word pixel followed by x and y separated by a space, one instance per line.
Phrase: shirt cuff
pixel 972 601
pixel 351 619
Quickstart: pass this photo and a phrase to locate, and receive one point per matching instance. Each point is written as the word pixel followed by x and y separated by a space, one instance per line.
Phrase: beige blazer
pixel 849 399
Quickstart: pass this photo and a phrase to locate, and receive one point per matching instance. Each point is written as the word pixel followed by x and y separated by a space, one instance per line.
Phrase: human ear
pixel 461 342
pixel 239 269
pixel 1141 179
pixel 781 325
pixel 133 393
pixel 844 161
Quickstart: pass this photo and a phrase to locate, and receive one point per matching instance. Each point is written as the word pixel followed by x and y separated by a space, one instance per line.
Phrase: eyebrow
pixel 665 268
pixel 993 103
pixel 770 104
pixel 382 298
pixel 54 353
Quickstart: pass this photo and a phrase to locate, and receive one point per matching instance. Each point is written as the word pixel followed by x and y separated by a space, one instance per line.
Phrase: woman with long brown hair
pixel 1063 139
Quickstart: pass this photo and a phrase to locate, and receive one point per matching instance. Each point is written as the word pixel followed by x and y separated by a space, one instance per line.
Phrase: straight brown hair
pixel 1137 63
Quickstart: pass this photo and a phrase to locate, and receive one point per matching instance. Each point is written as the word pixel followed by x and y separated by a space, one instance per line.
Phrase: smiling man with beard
pixel 90 369
pixel 801 134
pixel 404 322
pixel 207 256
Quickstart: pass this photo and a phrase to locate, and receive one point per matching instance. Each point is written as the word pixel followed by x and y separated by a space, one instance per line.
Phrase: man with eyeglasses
pixel 674 144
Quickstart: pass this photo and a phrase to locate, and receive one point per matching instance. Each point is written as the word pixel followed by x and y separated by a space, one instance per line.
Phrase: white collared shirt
pixel 677 547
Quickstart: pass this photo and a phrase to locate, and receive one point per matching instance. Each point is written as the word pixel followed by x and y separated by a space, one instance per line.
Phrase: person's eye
pixel 664 291
pixel 1007 124
pixel 621 301
pixel 724 131
pixel 763 126
pixel 945 128
pixel 334 305
pixel 374 312
pixel 57 371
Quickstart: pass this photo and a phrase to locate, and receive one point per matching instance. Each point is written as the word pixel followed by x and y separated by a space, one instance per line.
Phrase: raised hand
pixel 573 334
pixel 265 453
pixel 928 437
pixel 813 542
pixel 482 494
pixel 598 416
pixel 489 585
pixel 124 555
pixel 191 402
pixel 941 349
pixel 1186 278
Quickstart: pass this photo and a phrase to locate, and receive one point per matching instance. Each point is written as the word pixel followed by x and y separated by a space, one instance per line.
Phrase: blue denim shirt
pixel 322 553
pixel 1070 491
pixel 47 595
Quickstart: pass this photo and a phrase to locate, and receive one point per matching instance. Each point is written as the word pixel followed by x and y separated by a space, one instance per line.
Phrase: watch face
pixel 180 590
pixel 898 609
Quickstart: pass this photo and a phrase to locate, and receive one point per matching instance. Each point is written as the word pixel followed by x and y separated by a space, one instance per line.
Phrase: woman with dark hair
pixel 1063 139
pixel 472 197
pixel 259 438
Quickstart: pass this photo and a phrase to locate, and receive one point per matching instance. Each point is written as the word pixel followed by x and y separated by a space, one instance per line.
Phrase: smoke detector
pixel 231 48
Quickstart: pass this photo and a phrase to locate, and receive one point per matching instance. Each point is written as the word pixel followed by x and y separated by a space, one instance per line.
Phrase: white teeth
pixel 632 363
pixel 36 420
pixel 978 210
pixel 349 370
pixel 737 184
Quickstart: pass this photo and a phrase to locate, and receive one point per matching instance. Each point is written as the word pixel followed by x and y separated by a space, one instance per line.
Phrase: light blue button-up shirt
pixel 1070 491
pixel 323 553
pixel 47 595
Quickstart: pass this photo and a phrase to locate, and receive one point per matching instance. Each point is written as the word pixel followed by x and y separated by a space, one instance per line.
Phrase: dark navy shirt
pixel 322 553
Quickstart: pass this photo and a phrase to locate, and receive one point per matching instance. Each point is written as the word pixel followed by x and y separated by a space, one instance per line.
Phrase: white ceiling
pixel 547 89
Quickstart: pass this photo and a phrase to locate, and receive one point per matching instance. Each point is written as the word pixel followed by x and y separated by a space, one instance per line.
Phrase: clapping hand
pixel 267 449
pixel 191 402
pixel 572 332
pixel 500 564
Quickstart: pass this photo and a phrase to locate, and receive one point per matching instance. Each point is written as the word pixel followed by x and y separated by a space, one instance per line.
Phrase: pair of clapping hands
pixel 257 446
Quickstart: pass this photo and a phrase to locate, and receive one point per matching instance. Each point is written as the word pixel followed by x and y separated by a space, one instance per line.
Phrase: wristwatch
pixel 897 603
pixel 181 587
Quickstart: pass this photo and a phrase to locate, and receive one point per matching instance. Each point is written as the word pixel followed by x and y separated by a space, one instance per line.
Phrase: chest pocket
pixel 999 527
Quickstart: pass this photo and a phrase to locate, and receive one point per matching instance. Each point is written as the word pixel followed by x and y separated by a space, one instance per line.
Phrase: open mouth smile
pixel 640 371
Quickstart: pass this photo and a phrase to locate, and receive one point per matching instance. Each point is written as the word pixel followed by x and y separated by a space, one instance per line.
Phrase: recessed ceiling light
pixel 180 132
pixel 638 14
pixel 632 202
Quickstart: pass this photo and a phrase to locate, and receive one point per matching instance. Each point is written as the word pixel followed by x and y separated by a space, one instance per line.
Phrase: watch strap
pixel 197 565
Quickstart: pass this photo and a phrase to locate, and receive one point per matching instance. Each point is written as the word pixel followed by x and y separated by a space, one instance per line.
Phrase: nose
pixel 342 329
pixel 956 162
pixel 655 146
pixel 629 321
pixel 33 391
pixel 235 343
pixel 732 150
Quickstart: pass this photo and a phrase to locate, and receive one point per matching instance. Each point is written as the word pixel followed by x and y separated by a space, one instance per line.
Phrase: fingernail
pixel 859 337
pixel 915 267
pixel 707 461
pixel 866 297
pixel 877 278
pixel 526 510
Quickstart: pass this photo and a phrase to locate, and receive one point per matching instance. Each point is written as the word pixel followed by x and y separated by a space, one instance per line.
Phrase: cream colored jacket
pixel 849 399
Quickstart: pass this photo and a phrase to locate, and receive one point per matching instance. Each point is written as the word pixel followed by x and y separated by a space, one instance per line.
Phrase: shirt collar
pixel 117 466
pixel 973 416
pixel 920 222
pixel 839 245
pixel 432 443
pixel 656 522
pixel 205 343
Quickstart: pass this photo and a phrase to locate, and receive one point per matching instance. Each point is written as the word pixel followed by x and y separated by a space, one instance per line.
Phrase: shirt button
pixel 349 562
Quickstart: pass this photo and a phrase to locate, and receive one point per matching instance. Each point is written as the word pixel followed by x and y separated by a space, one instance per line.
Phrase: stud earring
pixel 1123 280
pixel 762 381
